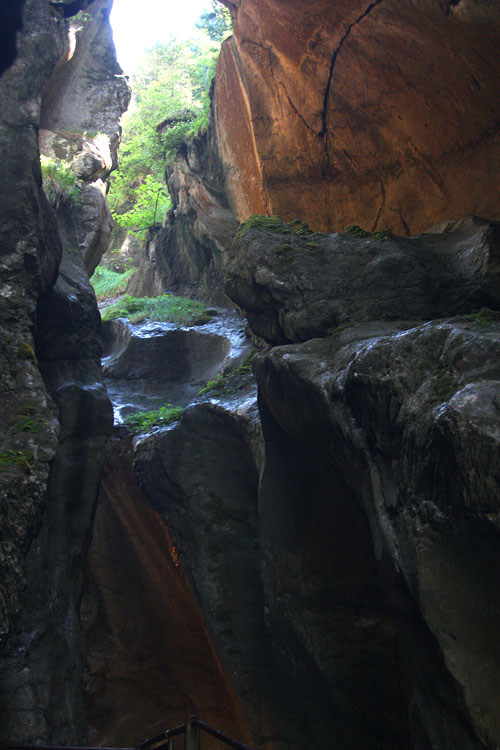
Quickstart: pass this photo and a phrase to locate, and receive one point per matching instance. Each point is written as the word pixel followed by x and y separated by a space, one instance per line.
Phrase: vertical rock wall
pixel 382 114
pixel 55 411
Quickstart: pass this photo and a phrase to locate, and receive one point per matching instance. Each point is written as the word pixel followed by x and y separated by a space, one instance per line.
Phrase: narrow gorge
pixel 305 549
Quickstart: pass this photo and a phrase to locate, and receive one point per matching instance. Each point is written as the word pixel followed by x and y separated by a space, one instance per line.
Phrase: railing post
pixel 192 735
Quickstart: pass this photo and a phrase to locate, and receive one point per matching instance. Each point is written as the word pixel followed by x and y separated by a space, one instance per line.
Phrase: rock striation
pixel 378 113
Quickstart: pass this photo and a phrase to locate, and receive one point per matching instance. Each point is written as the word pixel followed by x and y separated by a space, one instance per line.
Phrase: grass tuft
pixel 166 308
pixel 220 382
pixel 485 315
pixel 358 231
pixel 108 283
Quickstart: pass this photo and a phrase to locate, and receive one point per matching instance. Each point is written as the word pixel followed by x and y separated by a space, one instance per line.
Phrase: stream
pixel 150 364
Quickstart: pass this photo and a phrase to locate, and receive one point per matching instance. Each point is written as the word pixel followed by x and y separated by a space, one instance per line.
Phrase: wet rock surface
pixel 201 475
pixel 398 436
pixel 295 287
pixel 149 364
pixel 42 659
pixel 31 251
pixel 55 410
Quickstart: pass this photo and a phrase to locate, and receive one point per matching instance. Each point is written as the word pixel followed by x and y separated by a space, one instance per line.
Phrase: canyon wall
pixel 332 548
pixel 381 114
pixel 55 412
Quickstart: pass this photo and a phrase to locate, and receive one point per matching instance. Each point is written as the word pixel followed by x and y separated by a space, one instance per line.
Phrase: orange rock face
pixel 384 114
pixel 149 660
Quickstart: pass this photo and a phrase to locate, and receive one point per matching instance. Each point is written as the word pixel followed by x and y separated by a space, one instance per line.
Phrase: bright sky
pixel 137 25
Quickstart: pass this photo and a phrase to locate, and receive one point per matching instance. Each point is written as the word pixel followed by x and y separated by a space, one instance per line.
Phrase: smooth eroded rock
pixel 162 351
pixel 294 284
pixel 379 517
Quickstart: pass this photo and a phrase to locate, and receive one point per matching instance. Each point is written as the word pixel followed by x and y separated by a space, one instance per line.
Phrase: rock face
pixel 81 109
pixel 190 255
pixel 87 92
pixel 31 251
pixel 378 500
pixel 380 543
pixel 203 474
pixel 150 662
pixel 295 285
pixel 378 113
pixel 162 351
pixel 54 408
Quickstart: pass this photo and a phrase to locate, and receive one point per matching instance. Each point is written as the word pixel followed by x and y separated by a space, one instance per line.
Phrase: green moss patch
pixel 25 351
pixel 358 231
pixel 10 459
pixel 166 308
pixel 274 224
pixel 143 421
pixel 485 315
pixel 230 381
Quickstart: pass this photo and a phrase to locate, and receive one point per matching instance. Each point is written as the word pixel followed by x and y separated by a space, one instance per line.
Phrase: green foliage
pixel 152 201
pixel 170 103
pixel 167 308
pixel 78 21
pixel 10 459
pixel 221 382
pixel 217 23
pixel 143 421
pixel 108 283
pixel 59 182
pixel 357 231
pixel 485 315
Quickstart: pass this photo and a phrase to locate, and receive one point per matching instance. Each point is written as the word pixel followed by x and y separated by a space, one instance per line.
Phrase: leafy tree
pixel 170 102
pixel 217 23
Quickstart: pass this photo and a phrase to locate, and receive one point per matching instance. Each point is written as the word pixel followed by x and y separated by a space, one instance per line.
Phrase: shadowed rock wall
pixel 149 659
pixel 55 413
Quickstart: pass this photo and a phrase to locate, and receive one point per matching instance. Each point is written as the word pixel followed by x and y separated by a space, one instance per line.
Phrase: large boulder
pixel 295 284
pixel 379 518
pixel 162 351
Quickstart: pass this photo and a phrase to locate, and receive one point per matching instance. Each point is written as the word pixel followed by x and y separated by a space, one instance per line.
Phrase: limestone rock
pixel 294 284
pixel 379 517
pixel 202 474
pixel 87 92
pixel 41 692
pixel 85 223
pixel 160 350
pixel 146 642
pixel 31 251
pixel 55 412
pixel 381 114
pixel 190 254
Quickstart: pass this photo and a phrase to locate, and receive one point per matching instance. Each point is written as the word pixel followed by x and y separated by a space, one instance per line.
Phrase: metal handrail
pixel 161 740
